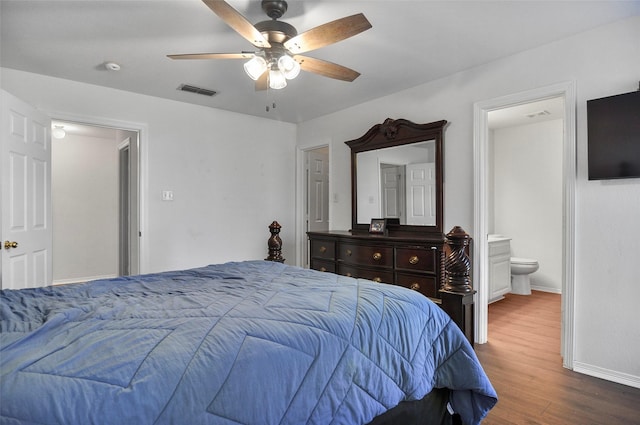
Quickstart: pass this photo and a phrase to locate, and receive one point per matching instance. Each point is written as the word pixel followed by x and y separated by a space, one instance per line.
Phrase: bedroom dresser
pixel 437 268
pixel 396 235
pixel 408 261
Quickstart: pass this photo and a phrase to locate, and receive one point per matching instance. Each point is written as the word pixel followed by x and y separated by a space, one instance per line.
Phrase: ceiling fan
pixel 279 45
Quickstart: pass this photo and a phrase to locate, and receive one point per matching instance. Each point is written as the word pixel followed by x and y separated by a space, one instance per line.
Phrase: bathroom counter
pixel 499 267
pixel 497 238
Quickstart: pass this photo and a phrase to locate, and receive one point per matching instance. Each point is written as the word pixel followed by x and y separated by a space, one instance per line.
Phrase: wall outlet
pixel 167 195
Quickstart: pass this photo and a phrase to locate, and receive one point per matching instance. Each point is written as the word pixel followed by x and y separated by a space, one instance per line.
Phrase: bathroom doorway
pixel 484 194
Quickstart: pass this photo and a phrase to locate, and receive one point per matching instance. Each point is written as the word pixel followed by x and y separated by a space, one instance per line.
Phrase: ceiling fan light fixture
pixel 277 79
pixel 255 67
pixel 289 66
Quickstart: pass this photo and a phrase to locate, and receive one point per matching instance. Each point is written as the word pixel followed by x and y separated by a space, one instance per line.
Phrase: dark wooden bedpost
pixel 275 243
pixel 457 293
pixel 457 265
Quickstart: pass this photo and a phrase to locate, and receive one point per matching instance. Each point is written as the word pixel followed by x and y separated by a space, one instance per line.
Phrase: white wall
pixel 231 174
pixel 601 62
pixel 527 188
pixel 84 187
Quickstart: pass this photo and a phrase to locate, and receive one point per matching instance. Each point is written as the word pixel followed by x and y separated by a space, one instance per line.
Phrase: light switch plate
pixel 167 195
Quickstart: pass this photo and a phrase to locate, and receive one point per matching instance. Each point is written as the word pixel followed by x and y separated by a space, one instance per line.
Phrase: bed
pixel 254 342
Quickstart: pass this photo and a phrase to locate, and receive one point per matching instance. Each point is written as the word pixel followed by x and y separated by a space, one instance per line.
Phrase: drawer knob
pixel 377 279
pixel 323 249
pixel 415 286
pixel 349 252
pixel 377 256
pixel 348 274
pixel 414 260
pixel 322 269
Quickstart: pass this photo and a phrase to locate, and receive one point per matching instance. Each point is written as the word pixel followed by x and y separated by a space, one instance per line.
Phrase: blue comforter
pixel 240 343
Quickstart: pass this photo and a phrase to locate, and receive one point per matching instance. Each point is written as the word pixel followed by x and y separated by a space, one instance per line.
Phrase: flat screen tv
pixel 613 125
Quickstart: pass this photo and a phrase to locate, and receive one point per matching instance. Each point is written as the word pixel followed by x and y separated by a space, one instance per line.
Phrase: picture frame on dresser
pixel 378 225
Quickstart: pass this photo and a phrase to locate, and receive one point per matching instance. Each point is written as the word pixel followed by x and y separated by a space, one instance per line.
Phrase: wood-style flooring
pixel 523 362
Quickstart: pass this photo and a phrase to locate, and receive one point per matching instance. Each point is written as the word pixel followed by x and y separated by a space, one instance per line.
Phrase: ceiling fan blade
pixel 328 33
pixel 327 69
pixel 238 22
pixel 243 55
pixel 262 83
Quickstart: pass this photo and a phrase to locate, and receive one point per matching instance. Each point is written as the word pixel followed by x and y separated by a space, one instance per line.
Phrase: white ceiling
pixel 411 42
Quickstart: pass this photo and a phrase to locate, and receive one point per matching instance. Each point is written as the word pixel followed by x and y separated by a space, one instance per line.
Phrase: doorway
pixel 316 195
pixel 392 191
pixel 95 202
pixel 482 205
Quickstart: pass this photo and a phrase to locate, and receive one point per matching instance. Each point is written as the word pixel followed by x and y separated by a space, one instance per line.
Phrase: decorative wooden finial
pixel 457 264
pixel 275 243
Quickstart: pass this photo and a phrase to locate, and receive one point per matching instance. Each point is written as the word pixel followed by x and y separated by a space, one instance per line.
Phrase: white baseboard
pixel 546 289
pixel 81 279
pixel 609 375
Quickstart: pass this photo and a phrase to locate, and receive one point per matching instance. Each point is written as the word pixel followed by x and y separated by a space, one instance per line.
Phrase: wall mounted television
pixel 613 126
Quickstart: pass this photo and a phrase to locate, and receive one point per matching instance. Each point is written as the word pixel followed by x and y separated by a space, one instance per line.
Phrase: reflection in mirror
pixel 388 151
pixel 398 182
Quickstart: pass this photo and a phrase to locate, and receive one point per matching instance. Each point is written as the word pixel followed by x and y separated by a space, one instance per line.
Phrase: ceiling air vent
pixel 196 90
pixel 538 114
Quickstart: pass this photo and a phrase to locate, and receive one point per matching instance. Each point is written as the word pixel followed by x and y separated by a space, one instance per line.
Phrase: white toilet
pixel 521 268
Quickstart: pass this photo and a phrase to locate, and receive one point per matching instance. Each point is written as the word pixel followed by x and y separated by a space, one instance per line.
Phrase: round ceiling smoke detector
pixel 112 66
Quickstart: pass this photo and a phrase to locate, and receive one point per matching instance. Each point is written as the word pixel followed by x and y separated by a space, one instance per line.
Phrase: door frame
pixel 481 181
pixel 124 209
pixel 143 132
pixel 301 198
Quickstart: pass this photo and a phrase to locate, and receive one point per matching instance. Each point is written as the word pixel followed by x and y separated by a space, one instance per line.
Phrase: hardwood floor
pixel 522 359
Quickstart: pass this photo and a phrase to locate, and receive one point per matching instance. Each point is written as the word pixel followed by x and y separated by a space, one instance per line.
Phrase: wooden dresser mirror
pixel 396 172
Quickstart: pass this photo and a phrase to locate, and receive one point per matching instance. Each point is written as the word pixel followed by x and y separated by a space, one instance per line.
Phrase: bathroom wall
pixel 527 174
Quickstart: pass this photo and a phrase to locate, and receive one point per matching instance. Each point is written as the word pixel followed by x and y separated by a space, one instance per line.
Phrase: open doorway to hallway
pixel 95 202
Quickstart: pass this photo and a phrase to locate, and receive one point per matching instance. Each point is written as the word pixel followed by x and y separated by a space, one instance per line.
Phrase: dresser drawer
pixel 416 259
pixel 322 248
pixel 385 276
pixel 426 285
pixel 323 265
pixel 366 255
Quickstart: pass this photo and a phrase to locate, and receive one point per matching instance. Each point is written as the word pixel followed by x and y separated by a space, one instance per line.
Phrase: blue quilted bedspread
pixel 240 343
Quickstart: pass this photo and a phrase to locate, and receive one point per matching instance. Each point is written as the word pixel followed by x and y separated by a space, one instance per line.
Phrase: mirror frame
pixel 398 132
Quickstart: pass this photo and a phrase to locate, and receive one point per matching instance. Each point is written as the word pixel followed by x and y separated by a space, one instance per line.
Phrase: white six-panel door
pixel 421 205
pixel 25 158
pixel 318 191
